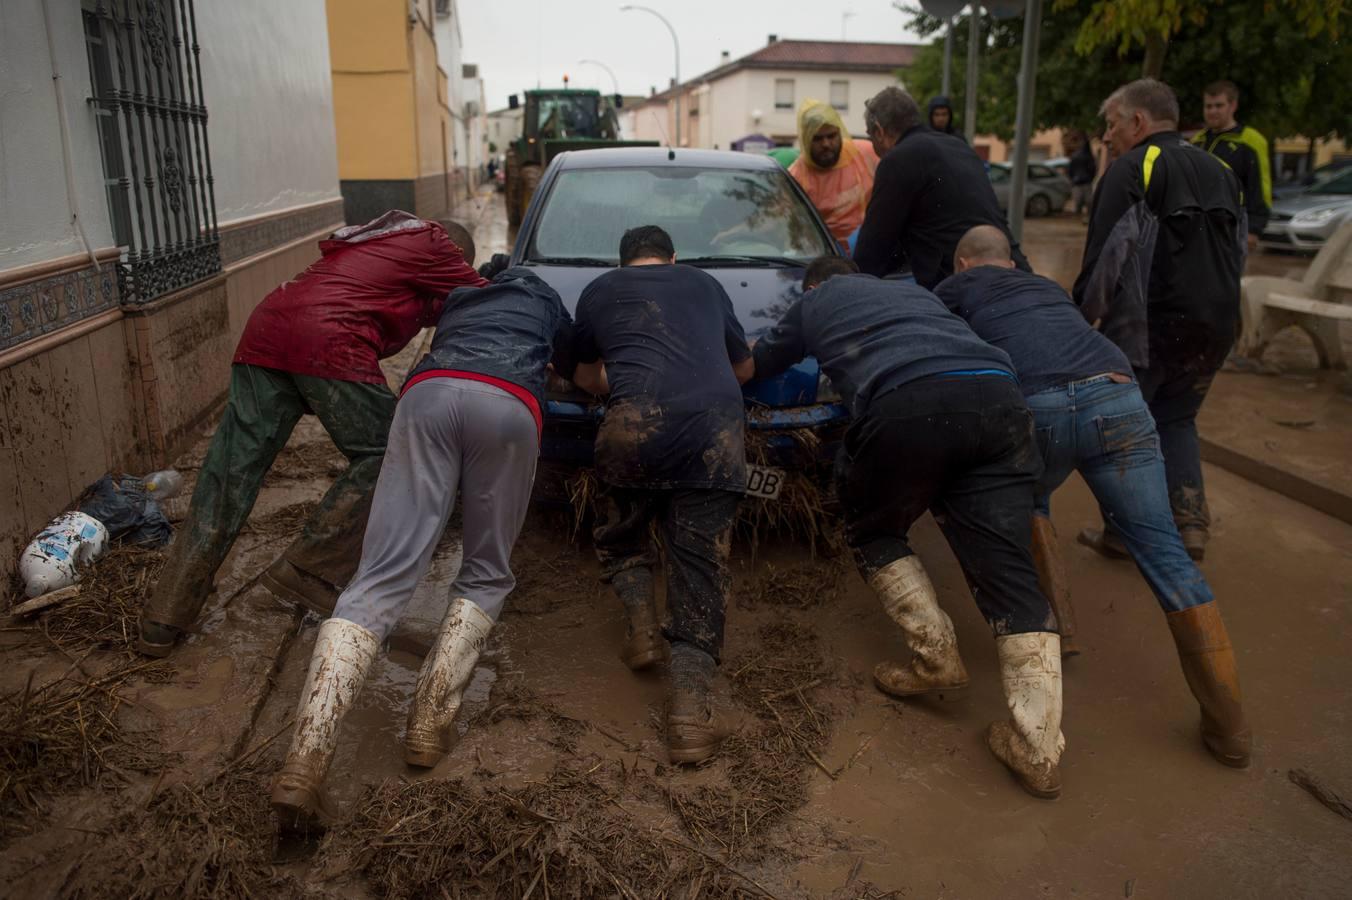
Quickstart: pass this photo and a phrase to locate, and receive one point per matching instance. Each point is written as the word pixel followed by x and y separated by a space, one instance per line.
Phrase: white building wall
pixel 504 126
pixel 269 95
pixel 738 97
pixel 35 221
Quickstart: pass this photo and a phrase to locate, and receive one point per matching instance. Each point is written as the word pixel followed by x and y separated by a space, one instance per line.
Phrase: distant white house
pixel 758 95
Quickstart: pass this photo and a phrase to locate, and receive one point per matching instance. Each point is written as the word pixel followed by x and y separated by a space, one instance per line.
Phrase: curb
pixel 1317 496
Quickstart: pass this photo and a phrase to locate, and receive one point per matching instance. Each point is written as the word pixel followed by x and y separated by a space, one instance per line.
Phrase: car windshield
pixel 567 116
pixel 1342 184
pixel 727 213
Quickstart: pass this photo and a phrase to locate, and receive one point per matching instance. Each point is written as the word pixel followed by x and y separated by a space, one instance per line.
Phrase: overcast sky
pixel 521 43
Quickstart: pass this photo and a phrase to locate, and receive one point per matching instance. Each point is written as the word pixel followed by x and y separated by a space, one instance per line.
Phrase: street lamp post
pixel 675 43
pixel 615 82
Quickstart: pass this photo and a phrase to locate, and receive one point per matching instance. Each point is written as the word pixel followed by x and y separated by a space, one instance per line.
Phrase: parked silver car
pixel 1304 221
pixel 1046 193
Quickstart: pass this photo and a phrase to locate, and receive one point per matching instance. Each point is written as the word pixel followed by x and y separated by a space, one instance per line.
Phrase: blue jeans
pixel 1105 430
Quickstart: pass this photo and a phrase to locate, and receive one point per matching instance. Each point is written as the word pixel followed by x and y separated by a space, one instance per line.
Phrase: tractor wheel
pixel 1038 205
pixel 530 180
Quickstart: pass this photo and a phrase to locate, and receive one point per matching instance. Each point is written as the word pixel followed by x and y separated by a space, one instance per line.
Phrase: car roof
pixel 647 157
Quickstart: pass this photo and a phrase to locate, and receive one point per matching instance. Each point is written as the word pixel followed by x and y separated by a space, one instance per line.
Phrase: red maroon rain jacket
pixel 373 289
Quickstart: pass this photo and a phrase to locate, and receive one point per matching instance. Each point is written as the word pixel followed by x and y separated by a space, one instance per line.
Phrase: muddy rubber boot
pixel 344 652
pixel 441 683
pixel 1209 667
pixel 1194 541
pixel 300 587
pixel 1030 743
pixel 1106 542
pixel 643 644
pixel 156 639
pixel 693 732
pixel 936 668
pixel 1051 577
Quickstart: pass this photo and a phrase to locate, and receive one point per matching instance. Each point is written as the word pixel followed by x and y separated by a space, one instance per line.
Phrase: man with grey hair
pixel 1162 262
pixel 929 190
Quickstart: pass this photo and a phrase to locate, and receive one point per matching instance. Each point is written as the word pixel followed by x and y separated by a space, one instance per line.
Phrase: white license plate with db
pixel 764 482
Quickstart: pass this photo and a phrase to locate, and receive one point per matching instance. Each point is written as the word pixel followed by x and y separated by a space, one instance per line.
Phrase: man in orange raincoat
pixel 835 170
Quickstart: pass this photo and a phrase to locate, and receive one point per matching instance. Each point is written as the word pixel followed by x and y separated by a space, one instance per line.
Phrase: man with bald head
pixel 1090 417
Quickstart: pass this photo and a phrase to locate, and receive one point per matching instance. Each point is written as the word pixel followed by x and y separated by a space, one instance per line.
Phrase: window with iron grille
pixel 146 73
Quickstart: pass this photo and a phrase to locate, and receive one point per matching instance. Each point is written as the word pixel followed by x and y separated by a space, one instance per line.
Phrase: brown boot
pixel 300 587
pixel 1209 667
pixel 446 672
pixel 908 598
pixel 1051 577
pixel 643 644
pixel 1105 542
pixel 343 654
pixel 1194 541
pixel 693 732
pixel 1030 742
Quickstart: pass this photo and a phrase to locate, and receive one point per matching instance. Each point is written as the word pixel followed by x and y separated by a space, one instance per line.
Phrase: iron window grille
pixel 146 70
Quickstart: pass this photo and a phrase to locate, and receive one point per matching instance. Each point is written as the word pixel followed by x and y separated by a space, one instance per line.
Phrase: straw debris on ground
pixel 545 582
pixel 797 585
pixel 213 839
pixel 66 734
pixel 303 462
pixel 287 520
pixel 104 615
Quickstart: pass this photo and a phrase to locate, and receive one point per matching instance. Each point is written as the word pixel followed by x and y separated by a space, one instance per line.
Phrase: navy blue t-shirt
pixel 675 416
pixel 1033 320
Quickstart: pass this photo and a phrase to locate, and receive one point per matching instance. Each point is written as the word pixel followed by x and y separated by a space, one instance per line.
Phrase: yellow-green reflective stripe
pixel 1152 153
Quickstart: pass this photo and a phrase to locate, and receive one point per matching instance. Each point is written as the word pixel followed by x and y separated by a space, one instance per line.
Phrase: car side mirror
pixel 512 101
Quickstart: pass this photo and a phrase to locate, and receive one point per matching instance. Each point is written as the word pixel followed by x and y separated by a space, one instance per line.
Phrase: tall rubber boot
pixel 1209 666
pixel 344 652
pixel 441 683
pixel 908 597
pixel 1051 577
pixel 1030 743
pixel 643 642
pixel 693 732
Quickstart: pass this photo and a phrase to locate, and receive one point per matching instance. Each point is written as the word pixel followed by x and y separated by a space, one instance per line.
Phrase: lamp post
pixel 615 82
pixel 675 43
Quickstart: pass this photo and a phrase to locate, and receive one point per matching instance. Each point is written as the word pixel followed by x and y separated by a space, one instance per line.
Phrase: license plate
pixel 764 482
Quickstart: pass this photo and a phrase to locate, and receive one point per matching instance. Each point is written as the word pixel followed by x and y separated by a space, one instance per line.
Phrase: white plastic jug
pixel 53 560
pixel 163 484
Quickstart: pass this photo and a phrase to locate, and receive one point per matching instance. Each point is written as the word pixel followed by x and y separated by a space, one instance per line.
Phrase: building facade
pixel 148 202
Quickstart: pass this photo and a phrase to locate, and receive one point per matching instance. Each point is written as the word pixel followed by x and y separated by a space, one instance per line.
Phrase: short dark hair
pixel 1154 98
pixel 461 237
pixel 645 241
pixel 1224 86
pixel 892 110
pixel 823 268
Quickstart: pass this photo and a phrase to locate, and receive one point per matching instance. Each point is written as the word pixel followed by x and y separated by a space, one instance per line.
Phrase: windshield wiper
pixel 572 261
pixel 764 262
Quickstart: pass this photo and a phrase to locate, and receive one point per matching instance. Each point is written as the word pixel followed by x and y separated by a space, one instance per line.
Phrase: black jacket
pixel 1245 151
pixel 509 330
pixel 942 102
pixel 927 192
pixel 1164 254
pixel 1082 166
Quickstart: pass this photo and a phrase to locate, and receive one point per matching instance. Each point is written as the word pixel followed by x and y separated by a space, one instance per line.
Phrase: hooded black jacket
pixel 942 102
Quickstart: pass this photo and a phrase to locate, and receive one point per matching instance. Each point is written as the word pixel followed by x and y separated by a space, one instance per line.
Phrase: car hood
pixel 759 297
pixel 1309 202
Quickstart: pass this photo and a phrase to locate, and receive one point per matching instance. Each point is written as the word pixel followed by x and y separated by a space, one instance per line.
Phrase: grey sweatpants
pixel 448 433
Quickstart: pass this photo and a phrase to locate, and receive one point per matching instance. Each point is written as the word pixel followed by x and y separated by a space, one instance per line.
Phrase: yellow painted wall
pixel 368 35
pixel 432 112
pixel 373 89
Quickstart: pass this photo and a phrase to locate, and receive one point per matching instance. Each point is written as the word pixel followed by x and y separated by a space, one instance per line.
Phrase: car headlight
pixel 1317 216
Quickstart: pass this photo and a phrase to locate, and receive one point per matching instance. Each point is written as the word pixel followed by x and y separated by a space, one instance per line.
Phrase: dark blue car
pixel 738 216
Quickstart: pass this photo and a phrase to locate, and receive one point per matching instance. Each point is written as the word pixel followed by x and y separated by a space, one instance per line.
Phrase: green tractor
pixel 555 121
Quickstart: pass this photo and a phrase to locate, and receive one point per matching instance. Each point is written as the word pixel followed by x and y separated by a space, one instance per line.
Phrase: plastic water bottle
pixel 54 558
pixel 163 484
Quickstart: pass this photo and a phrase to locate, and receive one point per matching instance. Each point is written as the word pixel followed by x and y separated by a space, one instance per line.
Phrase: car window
pixel 1041 172
pixel 1340 184
pixel 999 174
pixel 707 212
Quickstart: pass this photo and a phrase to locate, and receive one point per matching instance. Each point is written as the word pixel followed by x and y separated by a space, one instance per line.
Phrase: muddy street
pixel 559 784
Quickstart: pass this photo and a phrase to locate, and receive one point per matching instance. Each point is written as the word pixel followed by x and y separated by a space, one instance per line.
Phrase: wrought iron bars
pixel 157 92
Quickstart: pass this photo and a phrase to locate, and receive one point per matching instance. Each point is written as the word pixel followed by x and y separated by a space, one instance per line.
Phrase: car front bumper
pixel 1296 236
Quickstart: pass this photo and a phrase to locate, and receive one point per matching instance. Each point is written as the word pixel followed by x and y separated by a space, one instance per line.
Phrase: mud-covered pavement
pixel 559 784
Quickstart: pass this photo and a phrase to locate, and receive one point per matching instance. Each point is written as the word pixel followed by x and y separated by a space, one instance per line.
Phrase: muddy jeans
pixel 962 447
pixel 1175 391
pixel 696 530
pixel 1104 430
pixel 263 407
pixel 449 434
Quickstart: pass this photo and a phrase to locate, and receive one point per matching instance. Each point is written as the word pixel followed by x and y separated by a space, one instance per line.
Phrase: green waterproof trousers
pixel 263 407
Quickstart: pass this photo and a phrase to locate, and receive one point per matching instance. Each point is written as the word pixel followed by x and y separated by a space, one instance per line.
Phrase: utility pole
pixel 1023 119
pixel 675 43
pixel 973 40
pixel 948 59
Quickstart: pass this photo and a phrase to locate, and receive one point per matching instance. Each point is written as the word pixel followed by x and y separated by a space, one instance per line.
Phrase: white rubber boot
pixel 1031 743
pixel 344 652
pixel 441 683
pixel 908 597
